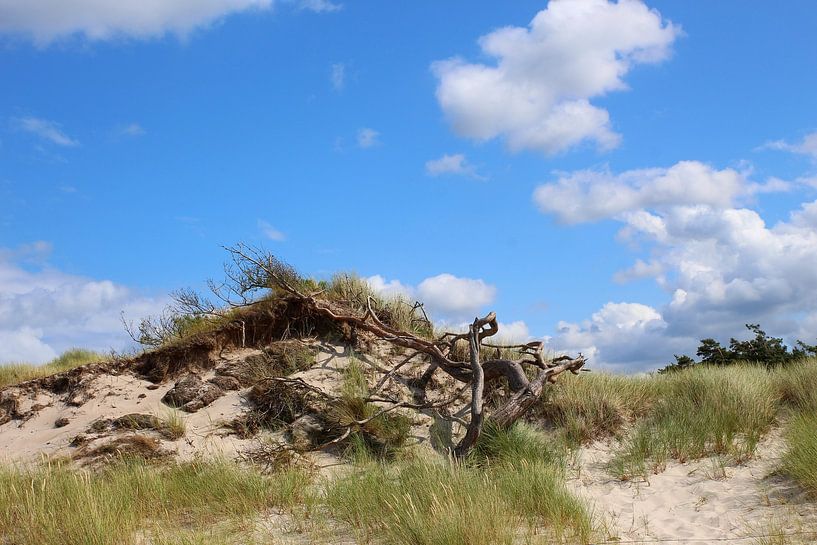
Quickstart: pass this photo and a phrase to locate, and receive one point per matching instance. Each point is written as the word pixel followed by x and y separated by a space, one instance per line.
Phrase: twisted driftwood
pixel 264 271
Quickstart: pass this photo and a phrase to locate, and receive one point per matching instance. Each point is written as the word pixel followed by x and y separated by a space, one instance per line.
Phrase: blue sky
pixel 620 178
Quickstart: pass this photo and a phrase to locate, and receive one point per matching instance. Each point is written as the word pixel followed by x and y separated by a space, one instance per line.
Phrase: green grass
pixel 800 458
pixel 700 412
pixel 514 488
pixel 596 405
pixel 694 413
pixel 14 373
pixel 54 504
pixel 173 425
pixel 796 385
pixel 380 437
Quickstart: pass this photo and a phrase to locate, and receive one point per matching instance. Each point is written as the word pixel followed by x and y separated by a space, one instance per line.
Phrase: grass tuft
pixel 700 412
pixel 15 373
pixel 55 504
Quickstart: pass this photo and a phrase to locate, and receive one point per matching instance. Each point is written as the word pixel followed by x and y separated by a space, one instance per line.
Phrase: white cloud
pixel 587 195
pixel 24 345
pixel 338 76
pixel 391 288
pixel 621 336
pixel 446 297
pixel 455 297
pixel 48 130
pixel 807 146
pixel 44 311
pixel 513 332
pixel 48 20
pixel 720 268
pixel 367 138
pixel 319 6
pixel 271 232
pixel 537 95
pixel 452 164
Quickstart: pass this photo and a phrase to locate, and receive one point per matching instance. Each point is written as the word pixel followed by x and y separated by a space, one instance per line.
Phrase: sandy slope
pixel 701 502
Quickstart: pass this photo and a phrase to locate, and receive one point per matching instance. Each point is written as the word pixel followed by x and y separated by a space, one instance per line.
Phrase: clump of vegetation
pixel 700 412
pixel 15 373
pixel 796 386
pixel 761 350
pixel 279 359
pixel 448 503
pixel 54 504
pixel 596 405
pixel 173 425
pixel 800 459
pixel 373 433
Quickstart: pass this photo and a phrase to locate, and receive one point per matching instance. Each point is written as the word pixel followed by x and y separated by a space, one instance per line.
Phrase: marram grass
pixel 14 373
pixel 56 504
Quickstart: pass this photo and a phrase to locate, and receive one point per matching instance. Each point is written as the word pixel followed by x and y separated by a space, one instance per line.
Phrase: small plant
pixel 173 425
pixel 373 432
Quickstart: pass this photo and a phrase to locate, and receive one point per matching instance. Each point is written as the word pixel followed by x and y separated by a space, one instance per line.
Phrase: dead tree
pixel 255 270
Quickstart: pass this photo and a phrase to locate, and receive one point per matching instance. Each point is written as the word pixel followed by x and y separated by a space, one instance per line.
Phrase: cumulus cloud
pixel 513 332
pixel 807 146
pixel 589 195
pixel 620 336
pixel 455 164
pixel 271 232
pixel 390 288
pixel 538 93
pixel 44 311
pixel 720 268
pixel 47 20
pixel 454 296
pixel 367 138
pixel 446 297
pixel 47 130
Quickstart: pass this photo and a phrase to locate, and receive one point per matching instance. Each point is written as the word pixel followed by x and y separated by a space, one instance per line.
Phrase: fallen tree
pixel 252 272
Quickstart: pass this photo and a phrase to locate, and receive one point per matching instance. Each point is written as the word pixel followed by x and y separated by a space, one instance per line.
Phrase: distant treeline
pixel 762 350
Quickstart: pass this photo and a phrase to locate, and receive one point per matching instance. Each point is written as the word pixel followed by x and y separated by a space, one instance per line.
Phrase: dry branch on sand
pixel 253 271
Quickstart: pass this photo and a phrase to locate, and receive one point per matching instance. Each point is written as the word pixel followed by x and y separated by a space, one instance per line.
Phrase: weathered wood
pixel 476 373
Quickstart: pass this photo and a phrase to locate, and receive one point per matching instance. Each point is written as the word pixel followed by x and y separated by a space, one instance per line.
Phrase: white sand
pixel 701 502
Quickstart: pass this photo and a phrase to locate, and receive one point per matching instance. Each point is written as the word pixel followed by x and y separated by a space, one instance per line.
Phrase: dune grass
pixel 800 458
pixel 14 373
pixel 690 414
pixel 701 412
pixel 596 405
pixel 55 504
pixel 797 387
pixel 173 425
pixel 495 497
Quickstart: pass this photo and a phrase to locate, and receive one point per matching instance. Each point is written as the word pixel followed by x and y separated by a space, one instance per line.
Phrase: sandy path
pixel 700 502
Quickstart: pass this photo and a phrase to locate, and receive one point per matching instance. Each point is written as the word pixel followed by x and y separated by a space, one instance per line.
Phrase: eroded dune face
pixel 207 408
